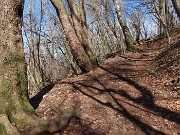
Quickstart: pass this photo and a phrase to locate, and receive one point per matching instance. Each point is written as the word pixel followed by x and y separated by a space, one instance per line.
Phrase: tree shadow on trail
pixel 36 100
pixel 145 100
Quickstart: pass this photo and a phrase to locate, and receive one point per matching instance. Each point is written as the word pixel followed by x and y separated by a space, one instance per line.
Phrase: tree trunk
pixel 162 11
pixel 125 29
pixel 13 81
pixel 14 105
pixel 176 4
pixel 77 37
pixel 85 33
pixel 162 14
pixel 35 73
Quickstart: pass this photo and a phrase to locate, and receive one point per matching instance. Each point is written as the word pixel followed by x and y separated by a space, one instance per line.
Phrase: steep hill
pixel 130 94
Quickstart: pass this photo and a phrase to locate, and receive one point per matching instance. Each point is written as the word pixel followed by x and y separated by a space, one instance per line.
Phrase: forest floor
pixel 131 94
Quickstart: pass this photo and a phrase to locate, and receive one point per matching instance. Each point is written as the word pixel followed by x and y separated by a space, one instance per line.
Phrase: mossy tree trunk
pixel 123 24
pixel 76 33
pixel 16 114
pixel 13 81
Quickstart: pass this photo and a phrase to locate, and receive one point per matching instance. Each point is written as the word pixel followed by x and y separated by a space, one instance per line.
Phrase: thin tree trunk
pixel 85 42
pixel 125 29
pixel 162 14
pixel 35 73
pixel 85 59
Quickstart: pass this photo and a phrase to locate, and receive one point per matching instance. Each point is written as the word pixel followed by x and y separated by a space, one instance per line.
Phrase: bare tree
pixel 15 108
pixel 76 32
pixel 125 29
pixel 105 34
pixel 35 72
pixel 136 19
pixel 47 52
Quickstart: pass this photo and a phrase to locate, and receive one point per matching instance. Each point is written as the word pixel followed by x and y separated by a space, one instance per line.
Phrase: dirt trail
pixel 123 97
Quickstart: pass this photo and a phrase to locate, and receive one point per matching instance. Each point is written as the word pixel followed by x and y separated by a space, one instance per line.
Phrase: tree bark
pixel 77 37
pixel 162 14
pixel 162 10
pixel 14 105
pixel 13 81
pixel 35 73
pixel 176 4
pixel 125 29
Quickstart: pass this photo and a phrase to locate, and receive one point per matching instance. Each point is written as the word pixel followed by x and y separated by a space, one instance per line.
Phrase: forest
pixel 81 67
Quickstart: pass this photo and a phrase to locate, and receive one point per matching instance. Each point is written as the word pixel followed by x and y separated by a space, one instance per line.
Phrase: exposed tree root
pixel 10 128
pixel 23 123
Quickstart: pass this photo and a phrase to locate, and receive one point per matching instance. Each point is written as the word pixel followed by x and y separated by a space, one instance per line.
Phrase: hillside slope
pixel 130 94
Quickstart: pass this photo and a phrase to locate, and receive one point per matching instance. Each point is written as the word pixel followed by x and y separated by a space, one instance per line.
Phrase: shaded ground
pixel 128 95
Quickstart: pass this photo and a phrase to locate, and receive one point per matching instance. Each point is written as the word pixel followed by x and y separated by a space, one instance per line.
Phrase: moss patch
pixel 12 59
pixel 7 104
pixel 22 90
pixel 3 130
pixel 131 47
pixel 27 105
pixel 6 88
pixel 3 106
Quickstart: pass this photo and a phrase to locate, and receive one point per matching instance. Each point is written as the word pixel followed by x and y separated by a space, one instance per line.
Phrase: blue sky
pixel 48 8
